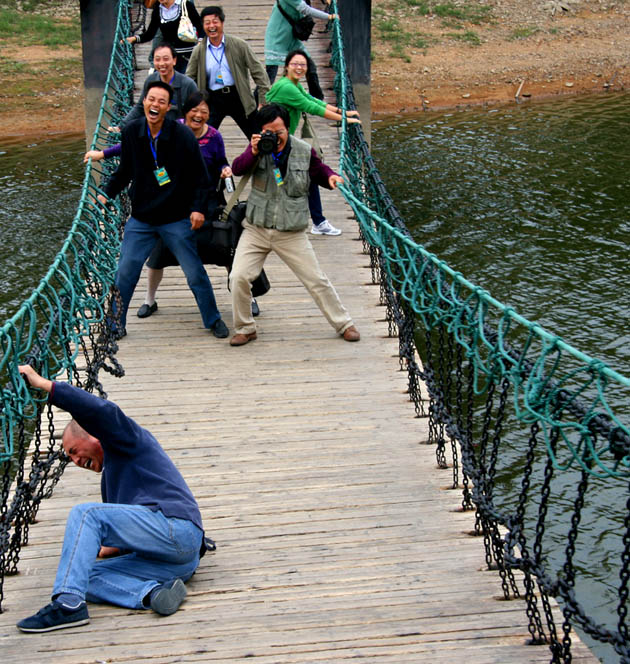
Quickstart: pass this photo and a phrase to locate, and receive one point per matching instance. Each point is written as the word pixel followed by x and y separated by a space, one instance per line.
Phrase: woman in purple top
pixel 196 111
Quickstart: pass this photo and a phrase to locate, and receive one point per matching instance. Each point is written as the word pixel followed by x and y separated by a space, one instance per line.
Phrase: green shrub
pixel 469 37
pixel 32 29
pixel 523 33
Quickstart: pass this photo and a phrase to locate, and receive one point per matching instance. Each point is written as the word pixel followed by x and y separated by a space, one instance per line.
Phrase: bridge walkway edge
pixel 337 535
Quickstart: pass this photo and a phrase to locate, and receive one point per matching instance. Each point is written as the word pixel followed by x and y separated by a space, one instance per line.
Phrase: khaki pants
pixel 296 251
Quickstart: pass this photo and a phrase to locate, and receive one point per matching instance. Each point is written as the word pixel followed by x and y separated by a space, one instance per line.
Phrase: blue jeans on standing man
pixel 315 204
pixel 138 241
pixel 161 549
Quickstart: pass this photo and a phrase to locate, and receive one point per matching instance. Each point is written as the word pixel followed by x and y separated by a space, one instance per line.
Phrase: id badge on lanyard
pixel 219 75
pixel 160 173
pixel 276 171
pixel 161 176
pixel 278 176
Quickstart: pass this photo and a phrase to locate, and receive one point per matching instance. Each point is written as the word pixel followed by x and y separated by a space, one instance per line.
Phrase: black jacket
pixel 178 152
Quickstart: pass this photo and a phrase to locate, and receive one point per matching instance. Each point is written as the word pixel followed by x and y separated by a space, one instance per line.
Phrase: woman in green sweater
pixel 288 92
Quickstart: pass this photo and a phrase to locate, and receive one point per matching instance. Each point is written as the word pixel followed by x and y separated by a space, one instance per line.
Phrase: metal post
pixel 98 23
pixel 356 18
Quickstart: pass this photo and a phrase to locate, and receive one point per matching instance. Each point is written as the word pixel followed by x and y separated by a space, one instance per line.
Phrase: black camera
pixel 268 142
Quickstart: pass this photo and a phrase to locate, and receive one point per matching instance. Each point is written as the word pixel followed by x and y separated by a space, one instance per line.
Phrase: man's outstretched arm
pixel 34 379
pixel 101 418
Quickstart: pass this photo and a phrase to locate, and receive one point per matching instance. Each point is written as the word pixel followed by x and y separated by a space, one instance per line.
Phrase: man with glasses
pixel 277 217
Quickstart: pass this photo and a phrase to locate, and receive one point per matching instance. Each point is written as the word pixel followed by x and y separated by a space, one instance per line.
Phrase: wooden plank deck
pixel 336 536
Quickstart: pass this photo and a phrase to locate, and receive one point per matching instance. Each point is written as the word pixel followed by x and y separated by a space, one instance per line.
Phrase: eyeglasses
pixel 298 65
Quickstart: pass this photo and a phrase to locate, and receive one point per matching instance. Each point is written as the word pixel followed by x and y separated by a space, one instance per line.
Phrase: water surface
pixel 41 184
pixel 530 202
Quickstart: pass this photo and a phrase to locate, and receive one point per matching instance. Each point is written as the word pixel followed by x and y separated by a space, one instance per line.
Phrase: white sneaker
pixel 325 228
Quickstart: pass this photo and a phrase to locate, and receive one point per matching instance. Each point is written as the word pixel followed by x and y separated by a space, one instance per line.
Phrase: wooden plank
pixel 337 536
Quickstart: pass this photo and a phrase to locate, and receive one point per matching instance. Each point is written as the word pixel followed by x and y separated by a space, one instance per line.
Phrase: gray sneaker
pixel 166 598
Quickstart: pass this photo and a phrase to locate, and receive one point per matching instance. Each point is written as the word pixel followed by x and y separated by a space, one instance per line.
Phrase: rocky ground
pixel 537 48
pixel 426 54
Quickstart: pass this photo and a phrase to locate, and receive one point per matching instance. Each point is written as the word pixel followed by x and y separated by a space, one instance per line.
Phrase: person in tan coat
pixel 223 64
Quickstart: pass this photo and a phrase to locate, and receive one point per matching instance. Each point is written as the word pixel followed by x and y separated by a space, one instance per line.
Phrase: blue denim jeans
pixel 138 241
pixel 315 204
pixel 162 549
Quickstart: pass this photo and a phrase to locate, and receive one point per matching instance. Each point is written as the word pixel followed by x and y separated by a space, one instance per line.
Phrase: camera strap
pixel 239 189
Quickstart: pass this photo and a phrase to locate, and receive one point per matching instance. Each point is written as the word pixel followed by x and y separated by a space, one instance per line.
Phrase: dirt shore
pixel 425 55
pixel 531 47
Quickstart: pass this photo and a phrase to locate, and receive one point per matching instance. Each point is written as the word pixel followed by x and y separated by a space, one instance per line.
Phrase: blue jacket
pixel 136 470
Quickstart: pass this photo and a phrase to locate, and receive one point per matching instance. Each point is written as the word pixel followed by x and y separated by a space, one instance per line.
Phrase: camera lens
pixel 268 142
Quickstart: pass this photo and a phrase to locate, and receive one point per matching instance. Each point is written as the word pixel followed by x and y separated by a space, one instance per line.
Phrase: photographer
pixel 276 219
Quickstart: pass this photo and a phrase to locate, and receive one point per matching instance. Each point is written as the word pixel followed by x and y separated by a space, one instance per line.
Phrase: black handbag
pixel 302 28
pixel 261 284
pixel 218 238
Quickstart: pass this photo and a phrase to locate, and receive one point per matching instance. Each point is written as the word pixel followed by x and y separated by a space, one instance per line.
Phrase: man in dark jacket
pixel 148 528
pixel 169 183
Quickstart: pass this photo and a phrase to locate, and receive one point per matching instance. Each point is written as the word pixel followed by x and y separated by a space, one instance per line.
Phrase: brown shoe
pixel 351 334
pixel 242 339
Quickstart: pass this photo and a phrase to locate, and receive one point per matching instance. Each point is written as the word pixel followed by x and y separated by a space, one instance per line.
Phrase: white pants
pixel 297 252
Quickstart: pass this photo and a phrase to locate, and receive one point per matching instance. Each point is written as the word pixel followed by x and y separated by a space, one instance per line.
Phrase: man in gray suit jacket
pixel 222 64
pixel 164 60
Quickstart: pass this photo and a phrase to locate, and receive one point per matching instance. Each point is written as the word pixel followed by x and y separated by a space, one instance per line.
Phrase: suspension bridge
pixel 351 488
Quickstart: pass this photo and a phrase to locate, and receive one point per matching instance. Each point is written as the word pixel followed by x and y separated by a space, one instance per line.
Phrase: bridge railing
pixel 537 440
pixel 538 432
pixel 65 328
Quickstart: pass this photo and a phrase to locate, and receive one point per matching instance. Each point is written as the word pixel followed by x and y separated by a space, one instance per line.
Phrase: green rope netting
pixel 70 303
pixel 551 379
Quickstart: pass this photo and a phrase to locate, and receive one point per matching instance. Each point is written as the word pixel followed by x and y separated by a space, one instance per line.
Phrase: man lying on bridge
pixel 137 547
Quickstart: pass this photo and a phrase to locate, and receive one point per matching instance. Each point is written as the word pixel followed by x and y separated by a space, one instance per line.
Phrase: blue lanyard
pixel 276 158
pixel 220 60
pixel 152 142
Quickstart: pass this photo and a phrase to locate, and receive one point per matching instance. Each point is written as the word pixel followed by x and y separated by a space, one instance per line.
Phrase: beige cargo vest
pixel 284 207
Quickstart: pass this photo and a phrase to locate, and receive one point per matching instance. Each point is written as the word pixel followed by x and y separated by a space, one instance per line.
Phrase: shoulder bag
pixel 225 228
pixel 186 30
pixel 302 28
pixel 218 238
pixel 309 135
